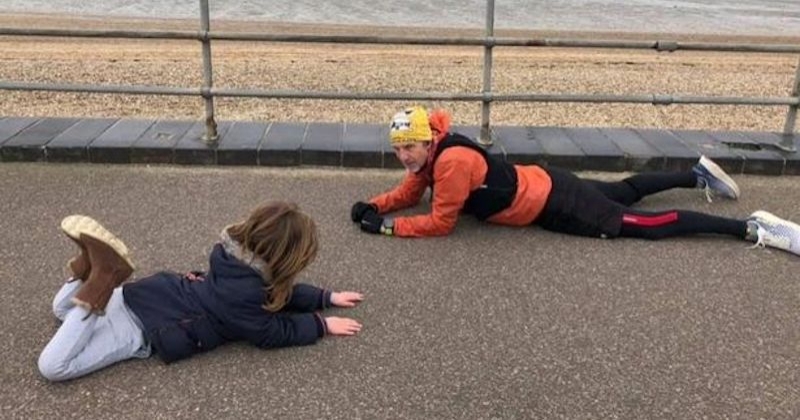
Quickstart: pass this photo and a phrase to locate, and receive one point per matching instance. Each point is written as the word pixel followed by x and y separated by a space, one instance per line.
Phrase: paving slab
pixel 639 155
pixel 239 145
pixel 9 127
pixel 29 143
pixel 72 144
pixel 157 144
pixel 602 154
pixel 323 145
pixel 677 155
pixel 282 144
pixel 519 145
pixel 729 159
pixel 769 141
pixel 559 148
pixel 757 159
pixel 114 144
pixel 194 149
pixel 361 146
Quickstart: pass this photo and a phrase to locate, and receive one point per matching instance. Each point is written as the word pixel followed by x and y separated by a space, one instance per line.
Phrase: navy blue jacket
pixel 182 318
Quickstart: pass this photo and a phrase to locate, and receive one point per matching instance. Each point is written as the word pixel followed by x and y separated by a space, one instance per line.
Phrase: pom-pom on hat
pixel 410 126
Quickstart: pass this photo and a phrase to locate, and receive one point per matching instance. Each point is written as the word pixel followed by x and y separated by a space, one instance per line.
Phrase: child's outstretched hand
pixel 346 299
pixel 342 326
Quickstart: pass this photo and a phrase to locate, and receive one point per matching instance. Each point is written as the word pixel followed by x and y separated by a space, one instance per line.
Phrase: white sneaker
pixel 776 232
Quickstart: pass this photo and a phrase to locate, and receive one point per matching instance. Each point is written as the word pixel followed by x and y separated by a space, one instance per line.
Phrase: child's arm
pixel 308 298
pixel 283 329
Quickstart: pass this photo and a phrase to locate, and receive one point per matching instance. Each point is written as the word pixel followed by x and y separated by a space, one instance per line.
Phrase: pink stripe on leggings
pixel 650 221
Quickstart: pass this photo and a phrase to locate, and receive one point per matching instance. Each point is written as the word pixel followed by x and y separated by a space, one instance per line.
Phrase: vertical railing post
pixel 485 137
pixel 205 26
pixel 787 143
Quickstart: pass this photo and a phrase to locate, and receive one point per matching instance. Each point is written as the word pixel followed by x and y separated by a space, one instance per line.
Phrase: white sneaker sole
pixel 719 174
pixel 76 224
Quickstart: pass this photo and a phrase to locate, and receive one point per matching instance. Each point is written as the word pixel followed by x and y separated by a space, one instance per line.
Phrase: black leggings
pixel 597 208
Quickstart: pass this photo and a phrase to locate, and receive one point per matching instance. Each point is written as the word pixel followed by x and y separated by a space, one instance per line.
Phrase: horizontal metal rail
pixel 655 99
pixel 90 88
pixel 659 45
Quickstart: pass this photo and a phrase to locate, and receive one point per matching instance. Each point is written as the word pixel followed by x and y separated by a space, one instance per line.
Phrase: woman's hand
pixel 341 326
pixel 346 299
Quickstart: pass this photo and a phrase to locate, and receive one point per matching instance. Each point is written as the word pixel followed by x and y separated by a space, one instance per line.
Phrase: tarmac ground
pixel 489 323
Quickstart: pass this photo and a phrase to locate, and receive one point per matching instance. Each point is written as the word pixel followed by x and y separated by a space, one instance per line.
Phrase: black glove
pixel 360 209
pixel 371 222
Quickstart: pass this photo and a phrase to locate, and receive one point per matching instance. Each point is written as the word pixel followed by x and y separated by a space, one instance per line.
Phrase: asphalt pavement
pixel 489 323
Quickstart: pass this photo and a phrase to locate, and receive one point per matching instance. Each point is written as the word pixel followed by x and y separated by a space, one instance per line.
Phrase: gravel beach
pixel 376 68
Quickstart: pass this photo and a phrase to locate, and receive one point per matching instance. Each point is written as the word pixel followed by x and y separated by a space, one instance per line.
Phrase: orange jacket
pixel 457 172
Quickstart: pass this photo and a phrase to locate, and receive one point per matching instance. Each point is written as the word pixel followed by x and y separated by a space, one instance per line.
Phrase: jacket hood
pixel 235 261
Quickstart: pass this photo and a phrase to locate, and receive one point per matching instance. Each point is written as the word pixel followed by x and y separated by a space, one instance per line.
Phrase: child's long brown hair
pixel 283 237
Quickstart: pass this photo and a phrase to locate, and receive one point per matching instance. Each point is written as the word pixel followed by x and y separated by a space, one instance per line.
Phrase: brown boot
pixel 76 224
pixel 79 264
pixel 110 267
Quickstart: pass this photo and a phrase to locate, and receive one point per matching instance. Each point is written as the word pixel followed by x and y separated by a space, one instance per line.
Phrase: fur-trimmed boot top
pixel 107 262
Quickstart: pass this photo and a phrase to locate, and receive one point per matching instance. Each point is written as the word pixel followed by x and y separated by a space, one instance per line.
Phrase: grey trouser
pixel 84 344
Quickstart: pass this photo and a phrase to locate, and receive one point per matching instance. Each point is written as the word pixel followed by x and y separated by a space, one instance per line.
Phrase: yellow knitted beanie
pixel 410 126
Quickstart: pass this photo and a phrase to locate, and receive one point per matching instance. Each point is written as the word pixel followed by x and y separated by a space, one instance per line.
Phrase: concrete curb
pixel 363 145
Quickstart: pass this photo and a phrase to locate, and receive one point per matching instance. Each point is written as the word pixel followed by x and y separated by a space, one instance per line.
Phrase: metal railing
pixel 486 96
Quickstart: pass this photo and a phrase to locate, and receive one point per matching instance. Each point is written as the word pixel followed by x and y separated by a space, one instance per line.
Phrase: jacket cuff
pixel 325 299
pixel 377 209
pixel 322 330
